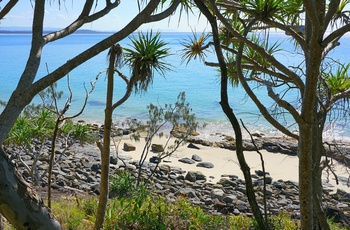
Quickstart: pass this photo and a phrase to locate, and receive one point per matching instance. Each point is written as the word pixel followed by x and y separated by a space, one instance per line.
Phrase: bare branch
pixel 81 20
pixel 260 50
pixel 94 50
pixel 7 8
pixel 336 34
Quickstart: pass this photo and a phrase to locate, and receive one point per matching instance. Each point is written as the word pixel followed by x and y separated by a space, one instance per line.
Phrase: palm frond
pixel 195 47
pixel 145 56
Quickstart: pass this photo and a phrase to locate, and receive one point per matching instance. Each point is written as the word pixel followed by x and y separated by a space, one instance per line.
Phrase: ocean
pixel 201 83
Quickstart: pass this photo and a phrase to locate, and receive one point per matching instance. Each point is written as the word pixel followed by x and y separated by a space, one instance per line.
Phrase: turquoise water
pixel 200 83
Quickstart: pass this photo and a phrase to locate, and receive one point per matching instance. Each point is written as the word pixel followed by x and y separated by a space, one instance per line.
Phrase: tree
pixel 144 58
pixel 245 50
pixel 19 202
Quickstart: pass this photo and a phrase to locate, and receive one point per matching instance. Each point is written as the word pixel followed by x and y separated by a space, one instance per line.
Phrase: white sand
pixel 280 166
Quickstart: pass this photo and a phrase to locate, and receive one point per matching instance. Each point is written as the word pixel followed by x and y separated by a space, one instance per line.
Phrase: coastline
pixel 279 165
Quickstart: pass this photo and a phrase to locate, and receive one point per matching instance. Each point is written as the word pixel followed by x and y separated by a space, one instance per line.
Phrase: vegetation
pixel 241 32
pixel 145 56
pixel 238 27
pixel 134 207
pixel 32 212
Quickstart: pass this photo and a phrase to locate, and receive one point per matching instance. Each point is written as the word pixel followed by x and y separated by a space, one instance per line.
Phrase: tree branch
pixel 336 34
pixel 7 8
pixel 94 50
pixel 166 13
pixel 299 83
pixel 332 9
pixel 81 20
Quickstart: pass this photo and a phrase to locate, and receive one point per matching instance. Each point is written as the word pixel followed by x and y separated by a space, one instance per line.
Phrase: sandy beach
pixel 280 166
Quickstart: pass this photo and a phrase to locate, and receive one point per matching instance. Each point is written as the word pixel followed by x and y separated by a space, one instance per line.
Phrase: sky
pixel 60 16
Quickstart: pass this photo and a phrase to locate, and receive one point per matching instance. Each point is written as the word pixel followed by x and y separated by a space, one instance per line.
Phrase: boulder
pixel 187 160
pixel 207 165
pixel 192 146
pixel 197 158
pixel 195 175
pixel 157 148
pixel 129 147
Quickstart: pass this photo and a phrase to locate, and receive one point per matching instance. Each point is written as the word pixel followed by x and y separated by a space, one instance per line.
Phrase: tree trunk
pixel 105 153
pixel 28 213
pixel 232 118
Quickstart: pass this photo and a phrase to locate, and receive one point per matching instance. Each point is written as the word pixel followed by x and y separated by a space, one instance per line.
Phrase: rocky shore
pixel 77 170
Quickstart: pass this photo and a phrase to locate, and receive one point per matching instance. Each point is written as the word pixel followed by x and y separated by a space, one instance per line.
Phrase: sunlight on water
pixel 200 83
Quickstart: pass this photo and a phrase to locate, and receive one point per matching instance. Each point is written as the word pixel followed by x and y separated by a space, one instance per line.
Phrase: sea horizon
pixel 201 84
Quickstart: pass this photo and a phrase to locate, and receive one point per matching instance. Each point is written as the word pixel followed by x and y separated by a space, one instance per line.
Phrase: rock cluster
pixel 78 170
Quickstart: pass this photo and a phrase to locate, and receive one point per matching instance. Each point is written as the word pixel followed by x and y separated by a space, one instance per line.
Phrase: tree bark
pixel 105 153
pixel 19 203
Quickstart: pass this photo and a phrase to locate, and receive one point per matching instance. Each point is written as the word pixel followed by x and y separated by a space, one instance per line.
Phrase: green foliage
pixel 195 47
pixel 261 40
pixel 342 15
pixel 82 133
pixel 155 213
pixel 34 125
pixel 146 55
pixel 71 215
pixel 122 185
pixel 339 81
pixel 278 10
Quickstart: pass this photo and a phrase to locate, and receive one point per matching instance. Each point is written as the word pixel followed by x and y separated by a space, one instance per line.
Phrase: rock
pixel 205 165
pixel 226 181
pixel 96 167
pixel 192 146
pixel 154 159
pixel 157 148
pixel 126 131
pixel 194 176
pixel 113 159
pixel 187 160
pixel 196 158
pixel 261 173
pixel 129 147
pixel 279 184
pixel 191 176
pixel 189 192
pixel 229 198
pixel 165 168
pixel 337 216
pixel 217 193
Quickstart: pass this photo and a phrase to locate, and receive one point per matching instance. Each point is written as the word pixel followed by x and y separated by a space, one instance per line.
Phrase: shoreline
pixel 279 165
pixel 214 135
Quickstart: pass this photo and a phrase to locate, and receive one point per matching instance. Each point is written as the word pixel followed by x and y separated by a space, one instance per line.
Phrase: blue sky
pixel 58 17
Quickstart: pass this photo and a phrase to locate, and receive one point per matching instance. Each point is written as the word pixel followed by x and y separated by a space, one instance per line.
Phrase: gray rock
pixel 229 198
pixel 192 146
pixel 205 165
pixel 217 193
pixel 187 160
pixel 191 176
pixel 196 158
pixel 195 175
pixel 189 192
pixel 96 167
pixel 227 181
pixel 154 159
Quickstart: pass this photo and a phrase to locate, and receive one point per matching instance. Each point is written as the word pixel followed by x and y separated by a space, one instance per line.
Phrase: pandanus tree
pixel 309 90
pixel 144 58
